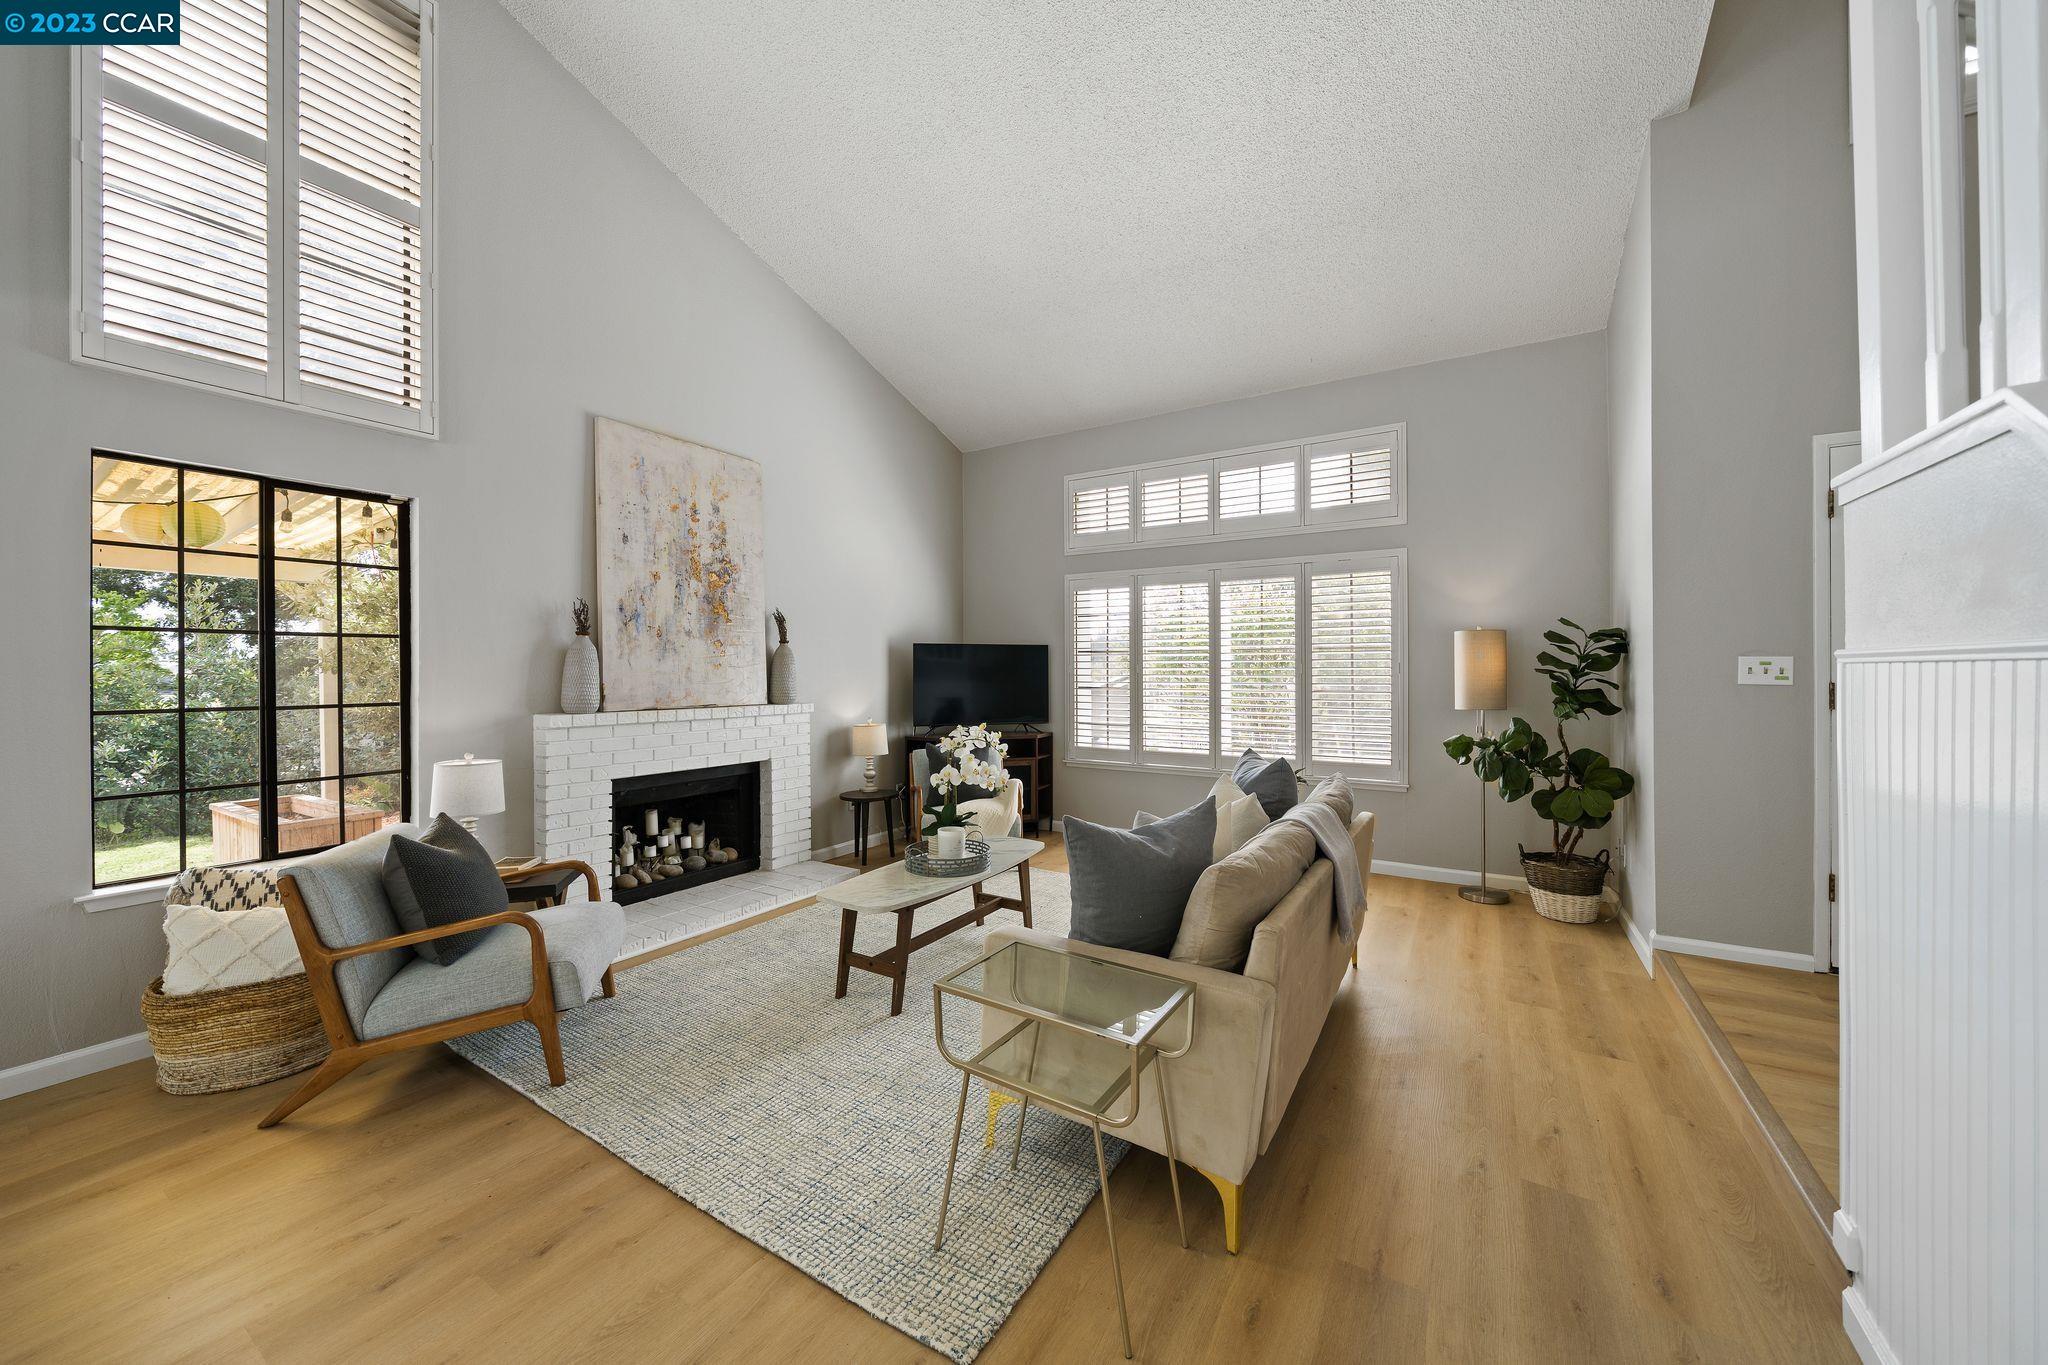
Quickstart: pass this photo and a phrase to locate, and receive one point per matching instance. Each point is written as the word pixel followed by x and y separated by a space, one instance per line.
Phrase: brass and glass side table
pixel 1071 1034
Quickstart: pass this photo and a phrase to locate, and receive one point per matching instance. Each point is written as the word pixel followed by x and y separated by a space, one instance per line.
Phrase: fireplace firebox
pixel 676 830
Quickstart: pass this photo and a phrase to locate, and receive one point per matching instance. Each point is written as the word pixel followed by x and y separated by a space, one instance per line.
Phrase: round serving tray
pixel 918 859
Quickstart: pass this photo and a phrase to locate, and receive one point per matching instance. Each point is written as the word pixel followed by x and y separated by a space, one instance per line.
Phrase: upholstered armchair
pixel 376 995
pixel 1001 816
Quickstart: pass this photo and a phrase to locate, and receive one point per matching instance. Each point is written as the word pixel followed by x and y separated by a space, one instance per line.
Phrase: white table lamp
pixel 467 787
pixel 1479 682
pixel 870 741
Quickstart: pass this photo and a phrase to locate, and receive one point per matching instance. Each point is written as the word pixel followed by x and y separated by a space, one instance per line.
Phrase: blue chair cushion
pixel 583 940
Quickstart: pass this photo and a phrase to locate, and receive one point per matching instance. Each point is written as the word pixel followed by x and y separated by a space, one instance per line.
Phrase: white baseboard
pixel 1640 942
pixel 876 844
pixel 1465 876
pixel 69 1066
pixel 1735 952
pixel 1864 1333
pixel 1457 876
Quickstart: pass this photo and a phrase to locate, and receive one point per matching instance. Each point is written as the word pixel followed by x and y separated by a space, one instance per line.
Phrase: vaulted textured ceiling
pixel 1039 216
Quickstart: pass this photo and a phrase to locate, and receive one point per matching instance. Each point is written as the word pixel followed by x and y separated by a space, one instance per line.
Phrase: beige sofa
pixel 1254 1031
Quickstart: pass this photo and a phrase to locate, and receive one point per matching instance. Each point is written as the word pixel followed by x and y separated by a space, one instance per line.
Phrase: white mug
pixel 950 842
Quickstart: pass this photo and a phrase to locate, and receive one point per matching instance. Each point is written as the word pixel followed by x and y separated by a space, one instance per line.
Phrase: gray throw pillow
pixel 1129 886
pixel 443 877
pixel 1271 781
pixel 936 758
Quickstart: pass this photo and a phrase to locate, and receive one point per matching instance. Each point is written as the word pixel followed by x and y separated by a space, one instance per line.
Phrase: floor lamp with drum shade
pixel 1479 682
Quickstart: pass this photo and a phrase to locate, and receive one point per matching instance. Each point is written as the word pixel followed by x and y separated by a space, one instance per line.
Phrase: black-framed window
pixel 251 662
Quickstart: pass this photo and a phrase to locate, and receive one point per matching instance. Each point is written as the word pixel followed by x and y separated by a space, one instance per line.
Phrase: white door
pixel 1832 456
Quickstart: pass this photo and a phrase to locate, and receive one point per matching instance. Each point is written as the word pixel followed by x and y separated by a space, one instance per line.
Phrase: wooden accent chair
pixel 376 995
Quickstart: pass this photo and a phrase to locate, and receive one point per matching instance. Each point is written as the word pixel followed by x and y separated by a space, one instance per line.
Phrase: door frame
pixel 1824 448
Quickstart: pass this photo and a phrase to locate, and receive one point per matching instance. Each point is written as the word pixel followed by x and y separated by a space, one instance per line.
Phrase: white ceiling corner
pixel 1042 216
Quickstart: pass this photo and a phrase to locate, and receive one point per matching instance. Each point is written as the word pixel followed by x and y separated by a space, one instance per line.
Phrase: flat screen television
pixel 979 684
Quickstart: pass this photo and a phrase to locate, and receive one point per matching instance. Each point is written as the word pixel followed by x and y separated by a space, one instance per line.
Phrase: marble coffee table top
pixel 896 887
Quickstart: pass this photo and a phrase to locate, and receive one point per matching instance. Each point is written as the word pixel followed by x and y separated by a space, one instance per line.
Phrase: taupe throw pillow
pixel 443 877
pixel 1235 894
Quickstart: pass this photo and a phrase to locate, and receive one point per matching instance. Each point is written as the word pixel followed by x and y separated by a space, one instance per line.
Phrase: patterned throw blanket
pixel 1333 841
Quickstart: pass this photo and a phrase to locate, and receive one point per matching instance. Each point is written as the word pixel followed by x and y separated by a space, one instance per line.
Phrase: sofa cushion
pixel 443 877
pixel 1271 780
pixel 1335 792
pixel 343 889
pixel 1236 821
pixel 583 939
pixel 1130 886
pixel 1233 895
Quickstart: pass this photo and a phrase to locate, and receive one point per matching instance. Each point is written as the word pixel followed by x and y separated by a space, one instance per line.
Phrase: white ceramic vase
pixel 950 842
pixel 579 677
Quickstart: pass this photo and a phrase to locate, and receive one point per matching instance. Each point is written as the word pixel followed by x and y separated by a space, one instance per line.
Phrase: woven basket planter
pixel 1567 891
pixel 229 1039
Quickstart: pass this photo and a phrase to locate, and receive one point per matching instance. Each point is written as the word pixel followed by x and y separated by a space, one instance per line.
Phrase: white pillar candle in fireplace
pixel 653 822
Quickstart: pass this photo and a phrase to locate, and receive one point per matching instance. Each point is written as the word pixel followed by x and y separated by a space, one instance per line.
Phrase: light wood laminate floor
pixel 1509 1146
pixel 1784 1026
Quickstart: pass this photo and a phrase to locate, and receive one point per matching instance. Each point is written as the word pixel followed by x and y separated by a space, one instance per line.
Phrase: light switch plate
pixel 1764 670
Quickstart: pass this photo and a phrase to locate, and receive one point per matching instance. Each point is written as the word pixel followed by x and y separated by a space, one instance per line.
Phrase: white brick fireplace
pixel 576 759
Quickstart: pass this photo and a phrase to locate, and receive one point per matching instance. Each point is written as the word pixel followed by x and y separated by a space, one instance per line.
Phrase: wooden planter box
pixel 303 822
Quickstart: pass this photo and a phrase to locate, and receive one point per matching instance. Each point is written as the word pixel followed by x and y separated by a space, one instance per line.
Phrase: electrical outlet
pixel 1762 670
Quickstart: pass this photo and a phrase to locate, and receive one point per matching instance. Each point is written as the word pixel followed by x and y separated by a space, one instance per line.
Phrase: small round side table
pixel 886 797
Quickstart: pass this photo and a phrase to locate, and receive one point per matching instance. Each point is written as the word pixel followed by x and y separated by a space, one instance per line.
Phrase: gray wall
pixel 1753 347
pixel 578 277
pixel 1507 526
pixel 1629 411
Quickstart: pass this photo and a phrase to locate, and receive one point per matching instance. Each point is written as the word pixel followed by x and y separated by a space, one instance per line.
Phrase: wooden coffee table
pixel 896 890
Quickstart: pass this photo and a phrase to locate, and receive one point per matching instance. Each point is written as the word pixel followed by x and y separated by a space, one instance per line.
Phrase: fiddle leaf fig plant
pixel 1574 789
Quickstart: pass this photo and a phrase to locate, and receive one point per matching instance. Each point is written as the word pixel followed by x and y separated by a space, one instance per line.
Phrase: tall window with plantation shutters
pixel 1351 664
pixel 1188 668
pixel 1174 668
pixel 255 207
pixel 1256 663
pixel 1099 655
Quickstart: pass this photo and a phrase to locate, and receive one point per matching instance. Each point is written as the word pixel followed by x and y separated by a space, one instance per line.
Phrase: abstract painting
pixel 679 565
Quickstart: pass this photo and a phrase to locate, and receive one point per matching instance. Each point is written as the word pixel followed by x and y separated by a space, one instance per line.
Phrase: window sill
pixel 121 897
pixel 1385 784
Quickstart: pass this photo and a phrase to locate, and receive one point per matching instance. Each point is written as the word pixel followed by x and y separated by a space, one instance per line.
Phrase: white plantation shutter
pixel 1352 645
pixel 1100 634
pixel 218 67
pixel 1357 480
pixel 1174 503
pixel 1350 476
pixel 184 243
pixel 223 249
pixel 1257 488
pixel 1304 659
pixel 360 108
pixel 362 267
pixel 1100 510
pixel 1173 646
pixel 361 311
pixel 1349 479
pixel 1257 652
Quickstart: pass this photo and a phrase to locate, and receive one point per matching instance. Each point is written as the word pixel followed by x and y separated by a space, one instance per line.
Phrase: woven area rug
pixel 816 1127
